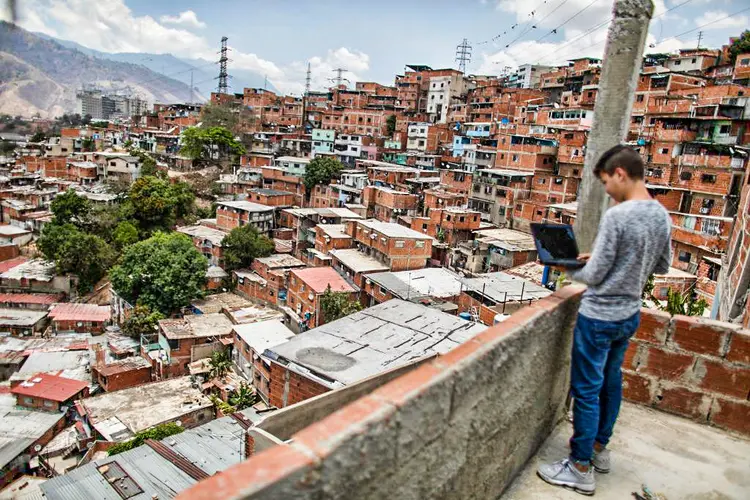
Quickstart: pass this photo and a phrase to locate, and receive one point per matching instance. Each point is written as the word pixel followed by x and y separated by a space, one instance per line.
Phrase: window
pixel 713 272
pixel 664 151
pixel 693 60
pixel 575 171
pixel 518 207
pixel 677 62
pixel 686 176
pixel 744 62
pixel 684 256
pixel 711 227
pixel 708 179
pixel 542 180
pixel 515 157
pixel 725 129
pixel 501 211
pixel 558 180
pixel 424 226
pixel 399 243
pixel 28 401
pixel 49 404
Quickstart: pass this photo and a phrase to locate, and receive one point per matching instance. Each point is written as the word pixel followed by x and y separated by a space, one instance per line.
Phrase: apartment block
pixel 396 246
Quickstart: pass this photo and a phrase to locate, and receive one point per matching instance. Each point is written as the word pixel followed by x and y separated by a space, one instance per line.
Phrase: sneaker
pixel 564 473
pixel 601 461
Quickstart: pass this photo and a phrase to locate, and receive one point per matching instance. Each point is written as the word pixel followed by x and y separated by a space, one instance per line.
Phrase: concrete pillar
pixel 249 444
pixel 614 102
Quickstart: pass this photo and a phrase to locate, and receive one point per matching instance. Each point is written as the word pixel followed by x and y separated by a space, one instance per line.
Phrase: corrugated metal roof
pixel 51 387
pixel 213 447
pixel 149 470
pixel 319 278
pixel 69 311
pixel 20 428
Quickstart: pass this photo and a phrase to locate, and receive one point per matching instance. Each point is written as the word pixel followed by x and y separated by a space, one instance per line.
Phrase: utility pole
pixel 339 77
pixel 622 63
pixel 223 77
pixel 700 37
pixel 463 55
pixel 305 98
pixel 191 87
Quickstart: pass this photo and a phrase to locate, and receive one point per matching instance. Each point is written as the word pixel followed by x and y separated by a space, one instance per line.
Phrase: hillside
pixel 39 75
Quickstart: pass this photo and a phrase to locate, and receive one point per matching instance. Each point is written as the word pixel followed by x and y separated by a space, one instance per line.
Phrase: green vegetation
pixel 156 204
pixel 156 433
pixel 677 303
pixel 69 208
pixel 243 397
pixel 204 143
pixel 165 272
pixel 335 305
pixel 243 245
pixel 740 46
pixel 220 364
pixel 391 124
pixel 141 321
pixel 86 255
pixel 321 170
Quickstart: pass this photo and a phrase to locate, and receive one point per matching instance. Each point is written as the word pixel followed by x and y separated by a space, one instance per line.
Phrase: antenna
pixel 307 80
pixel 223 87
pixel 700 37
pixel 463 55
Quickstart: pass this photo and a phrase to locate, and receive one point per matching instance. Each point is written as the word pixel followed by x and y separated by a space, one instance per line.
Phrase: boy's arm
pixel 602 257
pixel 665 258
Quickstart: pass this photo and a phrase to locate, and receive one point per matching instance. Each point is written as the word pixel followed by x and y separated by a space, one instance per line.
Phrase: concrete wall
pixel 693 367
pixel 461 426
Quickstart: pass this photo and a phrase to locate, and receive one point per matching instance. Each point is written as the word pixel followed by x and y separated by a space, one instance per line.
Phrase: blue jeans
pixel 596 380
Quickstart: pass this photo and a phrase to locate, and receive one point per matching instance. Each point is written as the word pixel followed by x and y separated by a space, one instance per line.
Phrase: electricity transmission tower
pixel 223 77
pixel 463 55
pixel 339 77
pixel 307 80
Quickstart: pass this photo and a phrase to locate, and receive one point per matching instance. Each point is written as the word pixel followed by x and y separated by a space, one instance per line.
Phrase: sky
pixel 373 41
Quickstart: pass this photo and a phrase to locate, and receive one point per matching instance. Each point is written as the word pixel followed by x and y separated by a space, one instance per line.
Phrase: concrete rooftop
pixel 671 455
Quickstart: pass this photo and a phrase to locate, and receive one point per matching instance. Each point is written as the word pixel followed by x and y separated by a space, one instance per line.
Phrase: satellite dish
pixel 178 423
pixel 38 448
pixel 89 445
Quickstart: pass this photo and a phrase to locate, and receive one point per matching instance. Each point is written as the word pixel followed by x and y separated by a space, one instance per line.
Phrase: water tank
pixel 465 316
pixel 499 318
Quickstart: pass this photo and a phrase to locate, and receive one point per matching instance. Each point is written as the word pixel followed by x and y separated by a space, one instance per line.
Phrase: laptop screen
pixel 556 242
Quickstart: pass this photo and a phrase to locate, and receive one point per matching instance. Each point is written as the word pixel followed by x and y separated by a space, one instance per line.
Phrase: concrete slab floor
pixel 676 457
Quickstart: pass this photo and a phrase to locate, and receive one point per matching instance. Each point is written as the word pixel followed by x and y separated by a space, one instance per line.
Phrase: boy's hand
pixel 584 257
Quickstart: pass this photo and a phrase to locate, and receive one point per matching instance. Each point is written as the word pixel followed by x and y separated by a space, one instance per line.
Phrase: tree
pixel 141 321
pixel 243 397
pixel 320 171
pixel 68 207
pixel 205 143
pixel 391 124
pixel 220 364
pixel 88 144
pixel 156 203
pixel 125 234
pixel 243 245
pixel 7 147
pixel 86 255
pixel 165 272
pixel 183 197
pixel 740 46
pixel 335 305
pixel 38 136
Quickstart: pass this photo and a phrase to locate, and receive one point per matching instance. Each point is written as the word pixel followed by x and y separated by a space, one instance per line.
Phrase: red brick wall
pixel 693 367
pixel 298 387
pixel 124 380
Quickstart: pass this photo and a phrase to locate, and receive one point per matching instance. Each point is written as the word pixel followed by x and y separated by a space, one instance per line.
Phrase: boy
pixel 632 243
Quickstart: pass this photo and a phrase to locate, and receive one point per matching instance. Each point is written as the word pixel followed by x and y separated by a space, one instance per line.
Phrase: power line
pixel 513 27
pixel 463 55
pixel 568 20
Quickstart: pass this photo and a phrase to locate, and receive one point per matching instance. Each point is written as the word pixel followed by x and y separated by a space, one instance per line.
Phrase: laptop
pixel 556 245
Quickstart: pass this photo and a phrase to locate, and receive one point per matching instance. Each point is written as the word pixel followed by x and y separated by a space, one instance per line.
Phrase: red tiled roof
pixel 50 387
pixel 79 312
pixel 28 298
pixel 9 264
pixel 318 278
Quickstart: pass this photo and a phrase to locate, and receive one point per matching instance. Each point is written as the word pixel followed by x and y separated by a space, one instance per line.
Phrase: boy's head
pixel 619 169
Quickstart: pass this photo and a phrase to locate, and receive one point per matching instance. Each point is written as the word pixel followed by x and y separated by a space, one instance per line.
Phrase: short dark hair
pixel 621 156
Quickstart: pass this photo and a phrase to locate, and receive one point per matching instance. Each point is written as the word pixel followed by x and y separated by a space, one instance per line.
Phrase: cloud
pixel 719 20
pixel 187 18
pixel 322 70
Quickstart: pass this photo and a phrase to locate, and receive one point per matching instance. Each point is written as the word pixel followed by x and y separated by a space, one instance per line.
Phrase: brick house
pixel 331 237
pixel 207 240
pixel 122 374
pixel 48 392
pixel 398 247
pixel 267 278
pixel 81 318
pixel 271 197
pixel 387 205
pixel 305 288
pixel 250 342
pixel 232 214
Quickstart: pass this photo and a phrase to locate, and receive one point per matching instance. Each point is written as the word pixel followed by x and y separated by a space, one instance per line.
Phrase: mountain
pixel 40 75
pixel 204 72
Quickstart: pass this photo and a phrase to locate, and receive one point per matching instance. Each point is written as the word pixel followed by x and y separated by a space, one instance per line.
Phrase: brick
pixel 739 348
pixel 683 401
pixel 723 378
pixel 654 326
pixel 700 335
pixel 636 388
pixel 734 415
pixel 630 356
pixel 665 364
